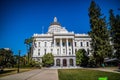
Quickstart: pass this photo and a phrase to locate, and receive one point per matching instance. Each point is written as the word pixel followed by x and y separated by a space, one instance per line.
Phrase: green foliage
pixel 81 57
pixel 91 62
pixel 115 32
pixel 48 59
pixel 28 43
pixel 6 58
pixel 99 34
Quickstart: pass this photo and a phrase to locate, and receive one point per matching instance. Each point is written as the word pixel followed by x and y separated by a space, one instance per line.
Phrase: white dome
pixel 56 27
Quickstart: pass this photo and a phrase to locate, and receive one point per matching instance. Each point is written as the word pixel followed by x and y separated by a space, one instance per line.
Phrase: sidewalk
pixel 38 74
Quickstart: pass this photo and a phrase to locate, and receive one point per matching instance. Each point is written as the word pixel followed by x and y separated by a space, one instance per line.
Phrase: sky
pixel 20 19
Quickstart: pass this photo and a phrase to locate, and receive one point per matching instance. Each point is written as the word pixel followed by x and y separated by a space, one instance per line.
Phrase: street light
pixel 18 61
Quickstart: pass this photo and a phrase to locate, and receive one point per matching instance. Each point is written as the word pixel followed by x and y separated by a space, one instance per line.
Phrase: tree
pixel 28 43
pixel 115 32
pixel 99 34
pixel 48 59
pixel 81 57
pixel 6 58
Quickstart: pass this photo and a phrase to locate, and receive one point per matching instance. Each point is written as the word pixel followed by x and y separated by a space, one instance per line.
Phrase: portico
pixel 65 56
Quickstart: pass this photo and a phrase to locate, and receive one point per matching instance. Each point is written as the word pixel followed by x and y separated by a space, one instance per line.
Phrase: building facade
pixel 61 43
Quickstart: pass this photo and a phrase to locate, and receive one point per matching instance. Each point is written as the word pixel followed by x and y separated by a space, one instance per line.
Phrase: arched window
pixel 71 62
pixel 57 62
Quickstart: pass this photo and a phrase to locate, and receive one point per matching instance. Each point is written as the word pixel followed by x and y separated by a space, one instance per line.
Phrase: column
pixel 61 62
pixel 61 51
pixel 54 42
pixel 74 62
pixel 68 62
pixel 67 51
pixel 55 49
pixel 54 61
pixel 73 47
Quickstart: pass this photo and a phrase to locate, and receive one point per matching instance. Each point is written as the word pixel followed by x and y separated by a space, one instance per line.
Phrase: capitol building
pixel 61 43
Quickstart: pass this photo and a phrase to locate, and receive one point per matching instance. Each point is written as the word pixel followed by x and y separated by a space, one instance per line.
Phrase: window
pixel 75 44
pixel 51 44
pixel 88 51
pixel 38 52
pixel 45 44
pixel 81 44
pixel 58 51
pixel 45 51
pixel 38 44
pixel 63 44
pixel 63 50
pixel 87 44
pixel 69 51
pixel 75 50
pixel 69 44
pixel 58 44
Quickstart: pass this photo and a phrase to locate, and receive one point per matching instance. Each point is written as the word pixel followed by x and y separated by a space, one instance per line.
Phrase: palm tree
pixel 28 43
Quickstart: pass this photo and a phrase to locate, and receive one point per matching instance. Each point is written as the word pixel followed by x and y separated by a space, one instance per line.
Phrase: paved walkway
pixel 38 74
pixel 108 70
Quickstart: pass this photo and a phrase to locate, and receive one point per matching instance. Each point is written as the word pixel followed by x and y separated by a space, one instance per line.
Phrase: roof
pixel 55 23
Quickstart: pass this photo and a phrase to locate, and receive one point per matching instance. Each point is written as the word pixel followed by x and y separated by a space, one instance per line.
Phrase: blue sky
pixel 20 19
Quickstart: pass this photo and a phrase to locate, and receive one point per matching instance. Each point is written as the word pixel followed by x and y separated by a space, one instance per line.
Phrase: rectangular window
pixel 69 51
pixel 58 44
pixel 69 44
pixel 75 50
pixel 63 44
pixel 38 44
pixel 88 51
pixel 45 51
pixel 81 44
pixel 38 52
pixel 87 44
pixel 58 51
pixel 64 51
pixel 51 44
pixel 75 44
pixel 45 44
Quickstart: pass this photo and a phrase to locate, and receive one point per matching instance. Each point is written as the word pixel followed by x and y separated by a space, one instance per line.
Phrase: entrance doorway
pixel 64 62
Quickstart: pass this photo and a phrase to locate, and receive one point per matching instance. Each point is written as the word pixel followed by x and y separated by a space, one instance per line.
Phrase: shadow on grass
pixel 6 71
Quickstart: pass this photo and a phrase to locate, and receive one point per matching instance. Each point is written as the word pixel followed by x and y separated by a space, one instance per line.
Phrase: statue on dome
pixel 55 19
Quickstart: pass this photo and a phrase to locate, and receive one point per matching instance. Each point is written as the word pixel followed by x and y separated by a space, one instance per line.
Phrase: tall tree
pixel 99 34
pixel 115 32
pixel 28 43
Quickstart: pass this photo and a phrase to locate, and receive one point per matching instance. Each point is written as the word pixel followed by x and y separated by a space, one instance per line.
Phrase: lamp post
pixel 18 61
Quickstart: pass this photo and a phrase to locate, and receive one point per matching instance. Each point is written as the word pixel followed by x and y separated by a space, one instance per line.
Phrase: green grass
pixel 85 74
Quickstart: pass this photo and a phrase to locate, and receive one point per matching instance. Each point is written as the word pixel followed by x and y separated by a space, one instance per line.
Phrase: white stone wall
pixel 47 45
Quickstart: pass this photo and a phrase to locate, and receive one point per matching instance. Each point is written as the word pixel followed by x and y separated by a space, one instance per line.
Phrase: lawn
pixel 86 74
pixel 9 71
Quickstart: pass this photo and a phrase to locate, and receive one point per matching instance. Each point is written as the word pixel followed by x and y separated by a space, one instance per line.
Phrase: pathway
pixel 38 74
